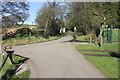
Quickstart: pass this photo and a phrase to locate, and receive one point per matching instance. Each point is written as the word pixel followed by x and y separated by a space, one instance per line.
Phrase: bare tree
pixel 15 12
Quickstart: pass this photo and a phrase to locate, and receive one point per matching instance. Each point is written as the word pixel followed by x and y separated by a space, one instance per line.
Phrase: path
pixel 57 59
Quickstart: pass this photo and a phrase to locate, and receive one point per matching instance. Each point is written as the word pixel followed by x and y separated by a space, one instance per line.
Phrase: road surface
pixel 57 59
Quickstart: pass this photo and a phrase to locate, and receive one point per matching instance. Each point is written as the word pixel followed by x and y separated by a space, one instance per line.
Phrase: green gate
pixel 107 35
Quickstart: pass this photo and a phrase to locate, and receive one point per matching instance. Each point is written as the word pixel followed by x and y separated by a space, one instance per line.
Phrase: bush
pixel 23 32
pixel 52 29
pixel 19 33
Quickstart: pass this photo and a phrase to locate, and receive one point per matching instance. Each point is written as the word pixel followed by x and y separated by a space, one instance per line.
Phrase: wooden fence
pixel 10 56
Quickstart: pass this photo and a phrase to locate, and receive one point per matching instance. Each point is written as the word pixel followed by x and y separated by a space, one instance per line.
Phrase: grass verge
pixel 107 65
pixel 28 40
pixel 24 75
pixel 108 46
pixel 8 70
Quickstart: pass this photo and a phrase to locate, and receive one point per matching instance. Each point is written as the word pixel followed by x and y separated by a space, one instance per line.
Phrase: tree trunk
pixel 46 25
pixel 100 37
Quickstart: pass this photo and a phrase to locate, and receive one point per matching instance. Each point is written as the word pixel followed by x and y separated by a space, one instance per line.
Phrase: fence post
pixel 107 36
pixel 4 62
pixel 10 52
pixel 111 34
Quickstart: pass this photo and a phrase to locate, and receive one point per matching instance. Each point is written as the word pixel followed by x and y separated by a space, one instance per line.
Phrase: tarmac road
pixel 57 59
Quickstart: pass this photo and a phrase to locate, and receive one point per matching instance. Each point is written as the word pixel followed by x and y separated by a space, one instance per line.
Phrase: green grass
pixel 24 75
pixel 28 40
pixel 6 66
pixel 55 37
pixel 84 38
pixel 107 65
pixel 93 52
pixel 109 46
pixel 9 68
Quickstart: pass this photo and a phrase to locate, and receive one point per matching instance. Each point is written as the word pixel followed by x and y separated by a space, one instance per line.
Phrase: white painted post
pixel 60 30
pixel 75 29
pixel 63 30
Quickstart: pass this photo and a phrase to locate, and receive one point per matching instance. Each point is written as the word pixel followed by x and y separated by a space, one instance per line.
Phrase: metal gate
pixel 107 35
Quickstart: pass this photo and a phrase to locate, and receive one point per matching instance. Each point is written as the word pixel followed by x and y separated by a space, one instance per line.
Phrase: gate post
pixel 107 34
pixel 111 34
pixel 10 52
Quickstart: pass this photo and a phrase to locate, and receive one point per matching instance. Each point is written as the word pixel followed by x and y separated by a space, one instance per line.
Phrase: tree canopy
pixel 49 18
pixel 14 13
pixel 87 16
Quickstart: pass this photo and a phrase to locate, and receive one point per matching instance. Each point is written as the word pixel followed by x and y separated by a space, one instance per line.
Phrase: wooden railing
pixel 10 56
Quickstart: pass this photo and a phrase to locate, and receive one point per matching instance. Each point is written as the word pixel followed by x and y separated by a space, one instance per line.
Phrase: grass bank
pixel 107 65
pixel 28 40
